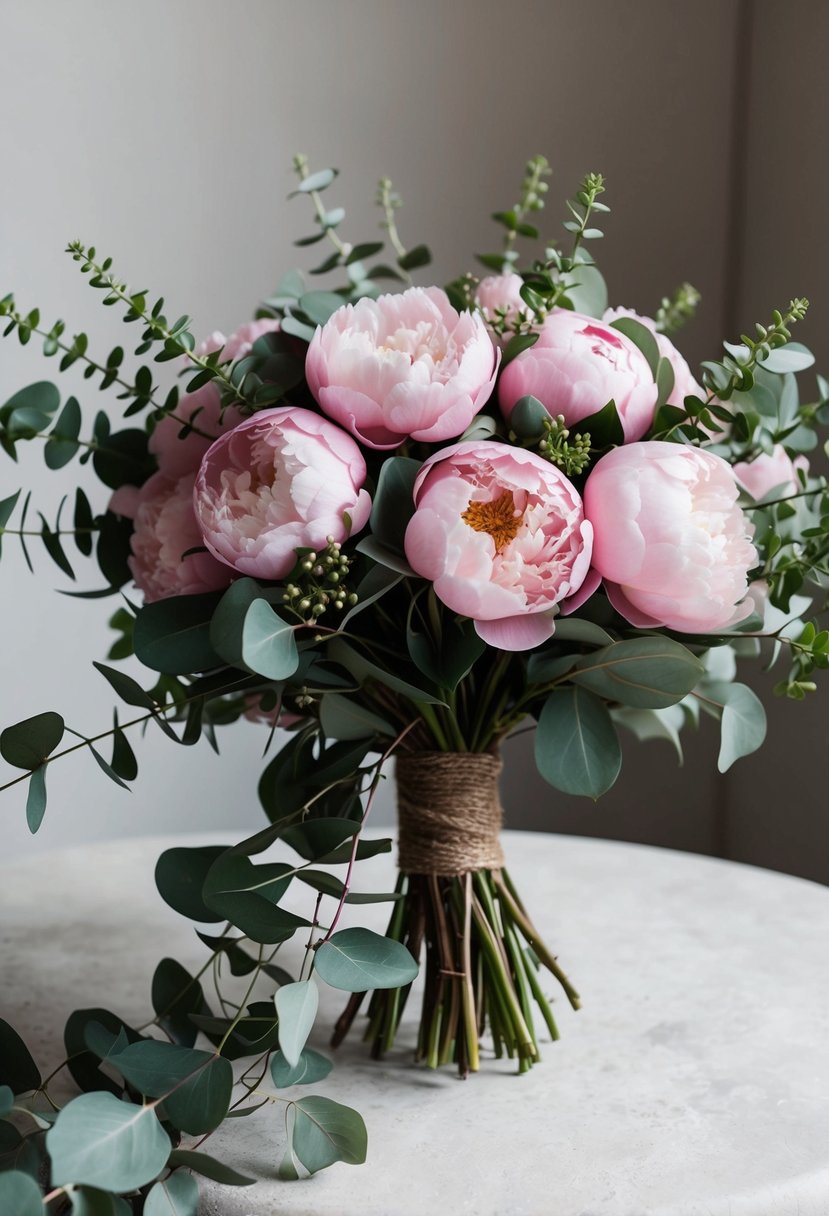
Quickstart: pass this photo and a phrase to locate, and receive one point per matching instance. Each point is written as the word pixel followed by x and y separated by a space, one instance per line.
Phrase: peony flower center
pixel 497 517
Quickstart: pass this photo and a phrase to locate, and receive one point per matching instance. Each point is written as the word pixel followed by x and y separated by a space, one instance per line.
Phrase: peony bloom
pixel 400 366
pixel 500 295
pixel 284 479
pixel 576 367
pixel 669 539
pixel 165 529
pixel 502 536
pixel 685 385
pixel 771 472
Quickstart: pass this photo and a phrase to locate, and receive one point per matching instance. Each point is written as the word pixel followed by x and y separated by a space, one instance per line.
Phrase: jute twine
pixel 449 812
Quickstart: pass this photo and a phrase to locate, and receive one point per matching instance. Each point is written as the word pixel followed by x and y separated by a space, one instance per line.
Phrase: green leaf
pixel 6 1099
pixel 88 1036
pixel 248 895
pixel 743 722
pixel 310 1068
pixel 393 504
pixel 62 443
pixel 376 584
pixel 177 997
pixel 604 427
pixel 648 724
pixel 363 669
pixel 89 1201
pixel 173 635
pixel 29 743
pixel 645 673
pixel 320 305
pixel 123 459
pixel 177 1195
pixel 415 258
pixel 208 1167
pixel 574 629
pixel 124 763
pixel 793 357
pixel 459 649
pixel 296 1008
pixel 325 1131
pixel 42 396
pixel 101 1141
pixel 344 719
pixel 384 556
pixel 576 747
pixel 528 417
pixel 20 1195
pixel 17 1068
pixel 268 642
pixel 641 337
pixel 588 291
pixel 128 689
pixel 358 960
pixel 180 874
pixel 196 1085
pixel 228 619
pixel 315 839
pixel 316 181
pixel 36 799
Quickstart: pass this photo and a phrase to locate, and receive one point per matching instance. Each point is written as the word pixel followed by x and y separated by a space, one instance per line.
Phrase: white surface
pixel 695 1081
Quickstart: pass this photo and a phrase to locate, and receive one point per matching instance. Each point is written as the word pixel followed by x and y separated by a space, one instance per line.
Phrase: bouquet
pixel 403 523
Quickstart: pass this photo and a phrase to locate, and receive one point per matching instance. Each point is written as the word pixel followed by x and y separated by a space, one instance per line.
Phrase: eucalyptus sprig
pixel 514 221
pixel 676 310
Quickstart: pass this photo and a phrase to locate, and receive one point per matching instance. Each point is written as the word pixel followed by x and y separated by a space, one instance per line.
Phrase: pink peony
pixel 502 535
pixel 669 539
pixel 284 479
pixel 576 367
pixel 400 366
pixel 165 529
pixel 771 472
pixel 685 385
pixel 499 295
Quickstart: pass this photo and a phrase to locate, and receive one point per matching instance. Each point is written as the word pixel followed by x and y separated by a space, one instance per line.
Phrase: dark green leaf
pixel 528 417
pixel 42 396
pixel 645 672
pixel 344 719
pixel 88 1036
pixel 63 439
pixel 196 1085
pixel 641 337
pixel 208 1167
pixel 29 743
pixel 393 504
pixel 123 459
pixel 176 997
pixel 173 635
pixel 180 875
pixel 414 258
pixel 125 686
pixel 17 1068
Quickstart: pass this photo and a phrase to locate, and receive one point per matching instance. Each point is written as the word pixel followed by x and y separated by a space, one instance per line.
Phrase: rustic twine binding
pixel 449 812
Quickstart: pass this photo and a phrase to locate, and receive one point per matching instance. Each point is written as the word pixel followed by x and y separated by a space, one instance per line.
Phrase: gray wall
pixel 163 132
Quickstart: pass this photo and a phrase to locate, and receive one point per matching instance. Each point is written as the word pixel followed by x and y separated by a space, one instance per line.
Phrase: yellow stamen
pixel 497 517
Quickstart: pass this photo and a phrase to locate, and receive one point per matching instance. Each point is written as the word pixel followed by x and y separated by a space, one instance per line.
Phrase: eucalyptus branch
pixel 177 339
pixel 302 171
pixel 140 391
pixel 676 310
pixel 581 209
pixel 390 201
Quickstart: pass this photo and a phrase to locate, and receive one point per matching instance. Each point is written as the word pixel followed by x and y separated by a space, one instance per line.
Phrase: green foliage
pixel 358 960
pixel 195 1085
pixel 576 747
pixel 296 1008
pixel 99 1140
pixel 324 1132
pixel 310 1068
pixel 180 875
pixel 18 1070
pixel 177 1195
pixel 20 1195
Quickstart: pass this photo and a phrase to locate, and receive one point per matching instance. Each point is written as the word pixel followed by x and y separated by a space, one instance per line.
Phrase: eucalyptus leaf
pixel 98 1140
pixel 645 672
pixel 20 1195
pixel 393 504
pixel 325 1131
pixel 180 874
pixel 310 1068
pixel 268 642
pixel 29 743
pixel 176 998
pixel 36 799
pixel 296 1008
pixel 641 337
pixel 358 960
pixel 208 1167
pixel 576 747
pixel 343 718
pixel 177 1195
pixel 90 1201
pixel 173 635
pixel 196 1085
pixel 18 1070
pixel 743 721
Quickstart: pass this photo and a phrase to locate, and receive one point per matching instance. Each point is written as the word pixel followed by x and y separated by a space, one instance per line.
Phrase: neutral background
pixel 163 133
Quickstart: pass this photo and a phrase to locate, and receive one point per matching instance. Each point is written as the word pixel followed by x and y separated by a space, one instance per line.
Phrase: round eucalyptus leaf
pixel 196 1085
pixel 27 744
pixel 20 1195
pixel 18 1070
pixel 576 746
pixel 101 1141
pixel 177 1195
pixel 325 1131
pixel 357 960
pixel 179 876
pixel 89 1201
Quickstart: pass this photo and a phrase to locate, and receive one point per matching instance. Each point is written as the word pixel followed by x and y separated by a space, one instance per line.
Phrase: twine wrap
pixel 449 812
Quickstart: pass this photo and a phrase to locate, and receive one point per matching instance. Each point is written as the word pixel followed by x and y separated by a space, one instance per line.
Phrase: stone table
pixel 694 1082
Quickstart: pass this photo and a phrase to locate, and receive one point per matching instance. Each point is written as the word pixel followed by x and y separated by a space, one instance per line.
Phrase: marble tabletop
pixel 694 1081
